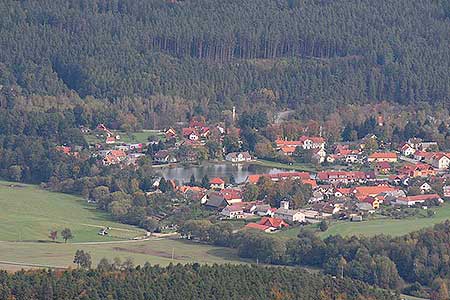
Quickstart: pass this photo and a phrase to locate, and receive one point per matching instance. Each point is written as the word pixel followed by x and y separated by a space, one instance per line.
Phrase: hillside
pixel 29 213
pixel 160 59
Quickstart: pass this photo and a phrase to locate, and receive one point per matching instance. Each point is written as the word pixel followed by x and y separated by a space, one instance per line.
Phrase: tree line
pixel 182 281
pixel 416 263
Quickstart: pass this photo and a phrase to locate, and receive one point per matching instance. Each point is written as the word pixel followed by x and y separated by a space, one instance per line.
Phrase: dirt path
pixel 13 263
pixel 113 228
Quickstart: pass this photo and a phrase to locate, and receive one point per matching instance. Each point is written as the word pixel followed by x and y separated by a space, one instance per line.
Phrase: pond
pixel 182 174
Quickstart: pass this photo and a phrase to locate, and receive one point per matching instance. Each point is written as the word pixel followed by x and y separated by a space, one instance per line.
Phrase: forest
pixel 416 263
pixel 184 282
pixel 165 60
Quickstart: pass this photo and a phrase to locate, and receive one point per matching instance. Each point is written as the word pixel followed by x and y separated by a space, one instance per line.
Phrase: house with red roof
pixel 407 150
pixel 313 142
pixel 170 134
pixel 217 183
pixel 417 170
pixel 345 176
pixel 287 150
pixel 231 195
pixel 422 155
pixel 114 157
pixel 362 192
pixel 305 142
pixel 382 167
pixel 191 133
pixel 258 227
pixel 389 157
pixel 440 161
pixel 276 223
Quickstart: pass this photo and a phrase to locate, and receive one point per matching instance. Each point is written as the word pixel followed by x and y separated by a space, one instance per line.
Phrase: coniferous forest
pixel 134 64
pixel 184 282
pixel 204 56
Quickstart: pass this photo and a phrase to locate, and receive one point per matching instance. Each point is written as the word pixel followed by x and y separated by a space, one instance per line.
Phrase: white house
pixel 238 156
pixel 446 190
pixel 289 215
pixel 164 156
pixel 193 136
pixel 312 142
pixel 425 188
pixel 233 212
pixel 440 161
pixel 407 149
pixel 319 155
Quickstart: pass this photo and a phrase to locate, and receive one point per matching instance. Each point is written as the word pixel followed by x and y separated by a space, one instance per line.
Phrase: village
pixel 350 181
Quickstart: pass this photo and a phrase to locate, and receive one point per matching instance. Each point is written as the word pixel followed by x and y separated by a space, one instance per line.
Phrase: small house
pixel 238 156
pixel 217 183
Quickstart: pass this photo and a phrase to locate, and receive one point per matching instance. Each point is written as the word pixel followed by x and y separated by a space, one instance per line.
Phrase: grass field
pixel 133 137
pixel 154 251
pixel 28 213
pixel 386 226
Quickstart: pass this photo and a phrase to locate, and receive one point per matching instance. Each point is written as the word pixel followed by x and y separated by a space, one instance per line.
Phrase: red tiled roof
pixel 283 143
pixel 425 197
pixel 373 190
pixel 186 188
pixel 230 194
pixel 439 155
pixel 288 149
pixel 383 155
pixel 118 153
pixel 64 149
pixel 348 175
pixel 188 131
pixel 273 222
pixel 216 180
pixel 311 182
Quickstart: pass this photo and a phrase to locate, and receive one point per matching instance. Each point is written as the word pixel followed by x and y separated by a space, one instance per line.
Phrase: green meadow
pixel 28 213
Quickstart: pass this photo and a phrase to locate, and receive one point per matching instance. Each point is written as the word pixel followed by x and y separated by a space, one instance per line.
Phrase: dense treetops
pixel 184 282
pixel 213 54
pixel 419 258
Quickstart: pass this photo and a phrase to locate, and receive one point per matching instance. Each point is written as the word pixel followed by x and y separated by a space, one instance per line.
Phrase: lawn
pixel 28 213
pixel 154 251
pixel 140 136
pixel 386 226
pixel 130 137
